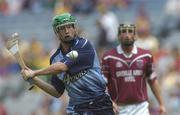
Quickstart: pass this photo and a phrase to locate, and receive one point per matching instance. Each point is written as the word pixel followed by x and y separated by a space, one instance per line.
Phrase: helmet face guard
pixel 123 28
pixel 127 28
pixel 62 20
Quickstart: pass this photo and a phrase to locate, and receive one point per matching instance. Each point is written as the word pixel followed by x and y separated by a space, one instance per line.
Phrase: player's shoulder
pixel 54 53
pixel 82 43
pixel 82 40
pixel 110 52
pixel 142 50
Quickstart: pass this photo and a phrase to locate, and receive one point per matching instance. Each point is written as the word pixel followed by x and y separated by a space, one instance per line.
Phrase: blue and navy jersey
pixel 83 80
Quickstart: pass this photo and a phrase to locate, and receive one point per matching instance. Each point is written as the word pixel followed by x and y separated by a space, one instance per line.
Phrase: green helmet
pixel 63 19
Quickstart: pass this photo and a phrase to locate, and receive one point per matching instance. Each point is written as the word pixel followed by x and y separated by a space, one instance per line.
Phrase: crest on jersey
pixel 118 64
pixel 139 63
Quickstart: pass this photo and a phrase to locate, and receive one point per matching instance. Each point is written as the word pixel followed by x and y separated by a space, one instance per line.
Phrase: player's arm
pixel 56 88
pixel 55 68
pixel 105 70
pixel 154 85
pixel 48 88
pixel 105 66
pixel 84 61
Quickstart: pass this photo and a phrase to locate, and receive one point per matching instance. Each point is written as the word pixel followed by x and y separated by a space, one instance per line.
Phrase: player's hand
pixel 162 110
pixel 27 73
pixel 115 108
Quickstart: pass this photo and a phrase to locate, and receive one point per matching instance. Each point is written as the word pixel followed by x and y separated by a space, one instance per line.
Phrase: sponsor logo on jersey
pixel 139 63
pixel 119 64
pixel 130 79
pixel 125 73
pixel 72 78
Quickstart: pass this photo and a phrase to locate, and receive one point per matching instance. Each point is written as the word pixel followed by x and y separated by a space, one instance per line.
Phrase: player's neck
pixel 65 47
pixel 127 49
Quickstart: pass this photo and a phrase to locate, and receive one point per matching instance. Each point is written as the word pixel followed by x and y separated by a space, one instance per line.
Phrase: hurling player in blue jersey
pixel 81 77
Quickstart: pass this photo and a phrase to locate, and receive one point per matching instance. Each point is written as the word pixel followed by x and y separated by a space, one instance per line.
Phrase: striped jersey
pixel 83 80
pixel 127 74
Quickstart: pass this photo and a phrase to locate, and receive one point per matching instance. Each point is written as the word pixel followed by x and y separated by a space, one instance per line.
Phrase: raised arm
pixel 55 68
pixel 52 69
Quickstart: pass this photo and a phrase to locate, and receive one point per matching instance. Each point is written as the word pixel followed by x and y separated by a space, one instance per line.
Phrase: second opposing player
pixel 127 69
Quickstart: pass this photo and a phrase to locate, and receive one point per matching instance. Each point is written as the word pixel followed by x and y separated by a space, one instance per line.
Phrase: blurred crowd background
pixel 158 28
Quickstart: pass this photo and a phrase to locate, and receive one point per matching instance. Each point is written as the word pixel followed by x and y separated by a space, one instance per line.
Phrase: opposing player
pixel 127 69
pixel 81 77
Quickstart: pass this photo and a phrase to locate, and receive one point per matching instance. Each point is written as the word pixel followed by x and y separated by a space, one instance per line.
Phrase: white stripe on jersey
pixel 116 58
pixel 141 56
pixel 123 61
pixel 76 42
pixel 84 44
pixel 153 75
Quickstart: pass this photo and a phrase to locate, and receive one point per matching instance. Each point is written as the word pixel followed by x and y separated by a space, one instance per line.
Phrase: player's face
pixel 66 33
pixel 127 36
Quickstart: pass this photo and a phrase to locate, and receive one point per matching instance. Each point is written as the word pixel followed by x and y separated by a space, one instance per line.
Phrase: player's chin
pixel 128 42
pixel 68 39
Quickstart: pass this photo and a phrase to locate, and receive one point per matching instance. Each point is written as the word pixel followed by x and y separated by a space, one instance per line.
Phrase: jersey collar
pixel 120 51
pixel 74 42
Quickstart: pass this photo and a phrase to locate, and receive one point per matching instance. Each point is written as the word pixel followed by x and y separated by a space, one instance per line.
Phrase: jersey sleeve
pixel 84 60
pixel 58 84
pixel 105 67
pixel 55 81
pixel 150 71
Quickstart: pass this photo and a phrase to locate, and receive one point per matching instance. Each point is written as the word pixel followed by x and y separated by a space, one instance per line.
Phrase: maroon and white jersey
pixel 127 74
